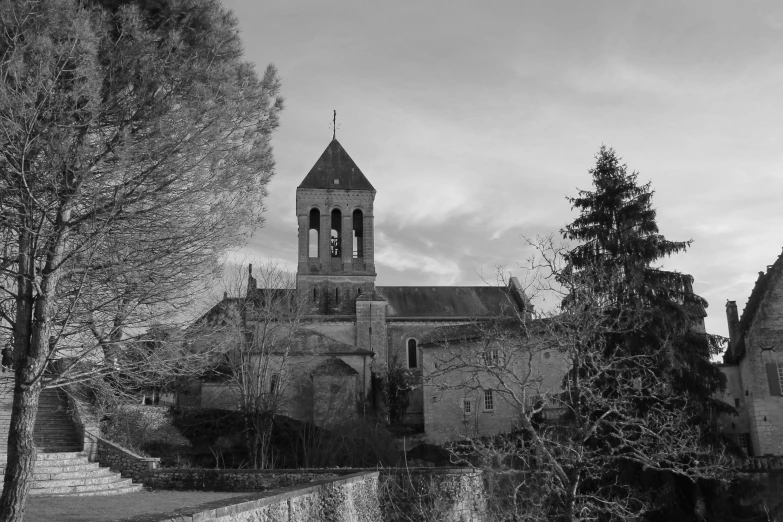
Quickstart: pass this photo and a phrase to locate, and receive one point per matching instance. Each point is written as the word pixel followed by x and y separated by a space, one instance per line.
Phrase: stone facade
pixel 753 365
pixel 456 379
pixel 368 327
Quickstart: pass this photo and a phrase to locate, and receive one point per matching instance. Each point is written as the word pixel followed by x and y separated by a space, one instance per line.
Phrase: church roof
pixel 335 170
pixel 334 366
pixel 308 341
pixel 449 301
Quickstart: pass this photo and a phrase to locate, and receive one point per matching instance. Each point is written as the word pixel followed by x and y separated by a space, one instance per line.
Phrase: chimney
pixel 732 317
pixel 252 285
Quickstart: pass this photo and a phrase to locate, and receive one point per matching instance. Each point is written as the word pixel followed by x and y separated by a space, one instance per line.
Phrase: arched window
pixel 359 291
pixel 336 297
pixel 337 220
pixel 412 354
pixel 358 233
pixel 313 232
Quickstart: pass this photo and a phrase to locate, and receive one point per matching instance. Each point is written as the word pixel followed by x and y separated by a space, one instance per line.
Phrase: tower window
pixel 313 233
pixel 412 353
pixel 358 233
pixel 315 295
pixel 336 236
pixel 336 297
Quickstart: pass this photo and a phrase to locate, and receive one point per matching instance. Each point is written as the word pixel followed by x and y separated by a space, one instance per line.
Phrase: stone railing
pixel 353 497
pixel 87 425
pixel 761 464
pixel 121 460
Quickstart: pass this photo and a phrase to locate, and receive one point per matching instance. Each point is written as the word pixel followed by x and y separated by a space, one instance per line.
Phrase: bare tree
pixel 256 333
pixel 134 150
pixel 585 420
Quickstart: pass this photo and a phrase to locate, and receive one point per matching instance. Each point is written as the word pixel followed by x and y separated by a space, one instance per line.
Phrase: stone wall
pixel 436 494
pixel 351 498
pixel 120 460
pixel 189 479
pixel 433 494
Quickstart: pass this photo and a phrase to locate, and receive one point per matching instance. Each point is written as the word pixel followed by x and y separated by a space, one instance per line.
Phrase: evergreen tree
pixel 654 315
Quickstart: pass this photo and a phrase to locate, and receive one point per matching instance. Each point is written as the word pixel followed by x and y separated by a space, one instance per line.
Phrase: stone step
pixel 88 488
pixel 71 474
pixel 82 467
pixel 132 488
pixel 84 480
pixel 65 475
pixel 64 455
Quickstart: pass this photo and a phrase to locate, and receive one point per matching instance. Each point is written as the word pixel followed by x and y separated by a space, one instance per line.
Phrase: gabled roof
pixel 334 366
pixel 307 341
pixel 760 289
pixel 335 165
pixel 450 301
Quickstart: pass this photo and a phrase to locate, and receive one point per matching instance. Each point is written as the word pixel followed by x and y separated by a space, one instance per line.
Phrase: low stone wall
pixel 351 498
pixel 236 480
pixel 127 463
pixel 433 494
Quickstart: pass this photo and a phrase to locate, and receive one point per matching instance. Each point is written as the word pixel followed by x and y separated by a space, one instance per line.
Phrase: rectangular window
pixel 467 407
pixel 744 442
pixel 774 378
pixel 274 382
pixel 736 403
pixel 489 401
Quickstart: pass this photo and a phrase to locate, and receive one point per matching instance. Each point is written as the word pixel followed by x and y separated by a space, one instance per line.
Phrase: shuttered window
pixel 774 371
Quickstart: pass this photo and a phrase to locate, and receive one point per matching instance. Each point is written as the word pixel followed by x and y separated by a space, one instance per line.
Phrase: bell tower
pixel 334 210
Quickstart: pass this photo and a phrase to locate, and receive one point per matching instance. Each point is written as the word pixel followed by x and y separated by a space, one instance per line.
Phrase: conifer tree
pixel 619 237
pixel 653 313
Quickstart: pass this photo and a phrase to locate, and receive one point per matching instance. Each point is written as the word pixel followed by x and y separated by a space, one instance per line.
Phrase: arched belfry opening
pixel 336 234
pixel 313 233
pixel 358 233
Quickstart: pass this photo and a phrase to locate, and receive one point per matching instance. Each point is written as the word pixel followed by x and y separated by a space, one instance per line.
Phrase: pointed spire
pixel 335 170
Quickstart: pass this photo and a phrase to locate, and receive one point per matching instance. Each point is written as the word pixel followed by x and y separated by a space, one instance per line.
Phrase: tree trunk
pixel 21 448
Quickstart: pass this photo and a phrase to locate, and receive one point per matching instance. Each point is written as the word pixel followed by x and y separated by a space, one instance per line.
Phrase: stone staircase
pixel 54 430
pixel 71 474
pixel 61 468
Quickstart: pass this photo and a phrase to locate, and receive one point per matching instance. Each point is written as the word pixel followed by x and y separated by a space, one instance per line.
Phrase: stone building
pixel 753 365
pixel 358 330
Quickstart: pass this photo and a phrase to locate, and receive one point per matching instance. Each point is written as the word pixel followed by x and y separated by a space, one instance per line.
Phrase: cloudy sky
pixel 474 121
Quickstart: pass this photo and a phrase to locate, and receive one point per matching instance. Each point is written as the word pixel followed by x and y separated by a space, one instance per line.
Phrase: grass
pixel 145 506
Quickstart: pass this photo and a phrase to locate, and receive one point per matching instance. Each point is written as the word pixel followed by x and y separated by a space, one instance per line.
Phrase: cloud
pixel 394 256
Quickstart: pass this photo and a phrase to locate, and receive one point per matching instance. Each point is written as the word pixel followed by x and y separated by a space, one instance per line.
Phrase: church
pixel 356 331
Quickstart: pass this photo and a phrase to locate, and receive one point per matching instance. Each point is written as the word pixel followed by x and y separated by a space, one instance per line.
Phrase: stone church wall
pixel 764 344
pixel 398 335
